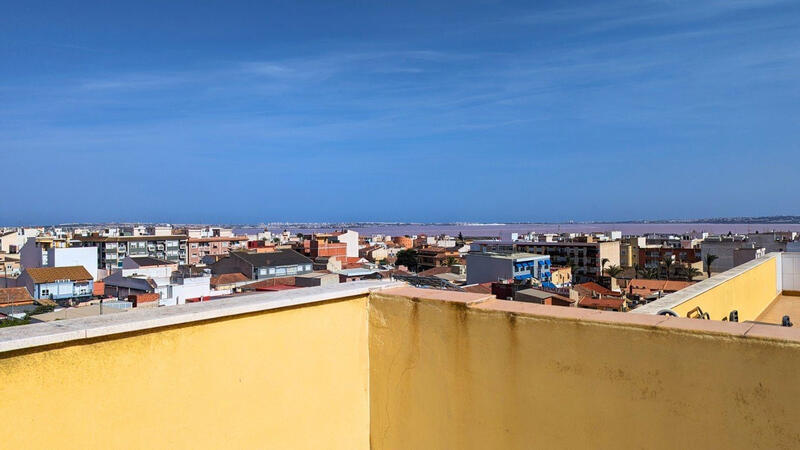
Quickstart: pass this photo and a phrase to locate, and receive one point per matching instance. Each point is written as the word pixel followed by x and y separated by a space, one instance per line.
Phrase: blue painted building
pixel 58 283
pixel 484 267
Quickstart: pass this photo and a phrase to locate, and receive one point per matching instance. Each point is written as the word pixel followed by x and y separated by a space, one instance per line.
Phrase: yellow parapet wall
pixel 288 378
pixel 451 375
pixel 749 293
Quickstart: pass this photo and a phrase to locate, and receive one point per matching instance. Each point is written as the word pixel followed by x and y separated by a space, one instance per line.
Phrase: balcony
pixel 376 365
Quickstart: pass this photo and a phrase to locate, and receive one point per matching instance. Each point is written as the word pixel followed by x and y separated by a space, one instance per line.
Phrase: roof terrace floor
pixel 784 305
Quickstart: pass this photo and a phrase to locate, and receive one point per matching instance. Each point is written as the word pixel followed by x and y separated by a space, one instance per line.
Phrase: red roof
pixel 15 296
pixel 228 278
pixel 658 285
pixel 269 282
pixel 589 302
pixel 592 287
pixel 435 271
pixel 483 288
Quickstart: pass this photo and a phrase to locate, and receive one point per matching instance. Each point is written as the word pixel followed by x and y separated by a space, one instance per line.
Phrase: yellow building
pixel 378 365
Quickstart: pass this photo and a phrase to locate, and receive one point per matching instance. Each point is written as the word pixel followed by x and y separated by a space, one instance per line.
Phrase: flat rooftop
pixel 516 255
pixel 783 305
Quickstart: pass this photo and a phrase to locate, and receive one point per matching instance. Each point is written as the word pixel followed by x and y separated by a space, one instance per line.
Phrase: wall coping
pixel 654 323
pixel 676 298
pixel 39 334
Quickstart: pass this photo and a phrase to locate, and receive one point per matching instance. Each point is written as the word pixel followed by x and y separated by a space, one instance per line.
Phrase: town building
pixel 745 254
pixel 648 289
pixel 326 245
pixel 228 281
pixel 374 253
pixel 350 238
pixel 58 283
pixel 14 296
pixel 213 246
pixel 146 275
pixel 724 246
pixel 11 241
pixel 655 257
pixel 585 258
pixel 483 267
pixel 561 276
pixel 533 295
pixel 430 257
pixel 403 241
pixel 323 278
pixel 10 265
pixel 257 266
pixel 113 250
pixel 629 250
pixel 38 253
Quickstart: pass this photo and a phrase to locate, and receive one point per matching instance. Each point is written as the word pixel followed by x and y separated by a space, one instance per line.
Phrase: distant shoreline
pixel 760 220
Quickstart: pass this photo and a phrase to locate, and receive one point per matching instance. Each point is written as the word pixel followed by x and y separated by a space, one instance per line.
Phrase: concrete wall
pixel 502 374
pixel 289 378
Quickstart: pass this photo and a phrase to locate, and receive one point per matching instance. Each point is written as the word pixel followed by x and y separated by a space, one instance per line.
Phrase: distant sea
pixel 485 230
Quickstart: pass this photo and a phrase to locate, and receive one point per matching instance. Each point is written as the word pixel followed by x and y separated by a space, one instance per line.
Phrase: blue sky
pixel 430 111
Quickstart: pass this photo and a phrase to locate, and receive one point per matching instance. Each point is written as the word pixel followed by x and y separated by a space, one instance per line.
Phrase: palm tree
pixel 614 271
pixel 450 261
pixel 652 273
pixel 638 269
pixel 710 260
pixel 668 263
pixel 573 267
pixel 690 272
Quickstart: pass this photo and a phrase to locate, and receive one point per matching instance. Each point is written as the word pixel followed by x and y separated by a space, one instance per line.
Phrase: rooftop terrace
pixel 377 364
pixel 761 290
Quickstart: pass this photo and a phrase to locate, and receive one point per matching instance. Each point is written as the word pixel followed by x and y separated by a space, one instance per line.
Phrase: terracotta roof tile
pixel 15 296
pixel 228 278
pixel 51 274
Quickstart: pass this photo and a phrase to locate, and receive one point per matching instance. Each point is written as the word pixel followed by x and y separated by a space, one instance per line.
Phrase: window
pixel 272 271
pixel 45 292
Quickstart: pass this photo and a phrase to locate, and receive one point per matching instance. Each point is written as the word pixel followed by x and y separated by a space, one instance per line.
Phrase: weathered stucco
pixel 288 378
pixel 496 374
pixel 749 293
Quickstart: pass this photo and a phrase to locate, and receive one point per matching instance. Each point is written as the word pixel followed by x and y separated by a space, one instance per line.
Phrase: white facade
pixel 150 271
pixel 159 230
pixel 350 237
pixel 74 256
pixel 177 293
